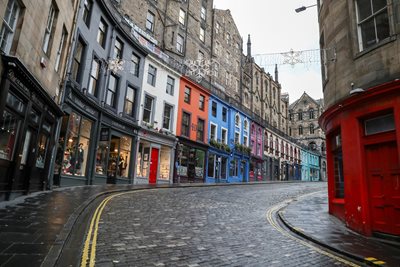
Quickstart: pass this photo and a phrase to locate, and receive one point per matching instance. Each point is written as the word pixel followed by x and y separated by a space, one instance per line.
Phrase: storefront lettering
pixel 116 124
pixel 13 78
pixel 83 106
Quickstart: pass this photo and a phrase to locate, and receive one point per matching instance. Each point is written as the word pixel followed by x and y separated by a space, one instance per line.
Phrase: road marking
pixel 274 209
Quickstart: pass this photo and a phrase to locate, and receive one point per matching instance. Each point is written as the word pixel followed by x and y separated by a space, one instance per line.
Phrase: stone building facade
pixel 303 115
pixel 34 41
pixel 226 53
pixel 182 29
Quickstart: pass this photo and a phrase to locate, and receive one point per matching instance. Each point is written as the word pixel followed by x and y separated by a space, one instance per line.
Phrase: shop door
pixel 383 174
pixel 153 166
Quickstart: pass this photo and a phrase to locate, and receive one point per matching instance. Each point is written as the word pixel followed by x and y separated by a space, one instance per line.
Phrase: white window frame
pixel 180 40
pixel 48 34
pixel 182 16
pixel 202 34
pixel 60 50
pixel 239 123
pixel 246 142
pixel 9 24
pixel 226 135
pixel 216 131
pixel 239 137
pixel 151 110
pixel 203 13
pixel 170 116
pixel 150 18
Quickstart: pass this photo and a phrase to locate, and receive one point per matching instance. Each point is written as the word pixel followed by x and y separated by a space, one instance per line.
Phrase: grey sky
pixel 275 27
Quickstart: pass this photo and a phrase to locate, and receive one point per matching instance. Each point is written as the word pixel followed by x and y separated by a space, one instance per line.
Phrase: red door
pixel 383 172
pixel 153 166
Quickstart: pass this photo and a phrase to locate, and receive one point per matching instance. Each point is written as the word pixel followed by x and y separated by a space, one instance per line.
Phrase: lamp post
pixel 302 8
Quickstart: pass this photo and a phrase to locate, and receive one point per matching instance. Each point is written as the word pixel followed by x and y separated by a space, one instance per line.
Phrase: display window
pixel 217 166
pixel 10 125
pixel 165 163
pixel 192 163
pixel 77 143
pixel 143 160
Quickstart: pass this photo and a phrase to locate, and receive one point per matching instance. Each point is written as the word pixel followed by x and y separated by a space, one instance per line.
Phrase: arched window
pixel 311 128
pixel 300 115
pixel 246 98
pixel 253 130
pixel 323 146
pixel 300 130
pixel 237 120
pixel 245 125
pixel 271 142
pixel 312 146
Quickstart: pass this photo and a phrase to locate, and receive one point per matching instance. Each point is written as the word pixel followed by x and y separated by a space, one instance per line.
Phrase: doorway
pixel 383 178
pixel 153 166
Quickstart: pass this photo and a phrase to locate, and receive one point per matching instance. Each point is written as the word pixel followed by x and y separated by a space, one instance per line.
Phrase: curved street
pixel 203 226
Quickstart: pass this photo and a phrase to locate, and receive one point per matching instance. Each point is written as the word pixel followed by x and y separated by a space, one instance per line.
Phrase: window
pixel 167 116
pixel 101 34
pixel 202 34
pixel 217 27
pixel 379 124
pixel 213 131
pixel 10 125
pixel 245 140
pixel 300 115
pixel 200 56
pixel 8 27
pixel 311 128
pixel 237 120
pixel 151 76
pixel 214 109
pixel 224 136
pixel 200 130
pixel 94 77
pixel 217 49
pixel 237 138
pixel 211 165
pixel 336 144
pixel 224 114
pixel 245 125
pixel 179 43
pixel 203 13
pixel 227 78
pixel 216 69
pixel 246 98
pixel 130 101
pixel 148 109
pixel 61 48
pixel 170 85
pixel 50 28
pixel 182 16
pixel 77 61
pixel 150 21
pixel 300 130
pixel 228 38
pixel 202 102
pixel 311 114
pixel 373 22
pixel 87 8
pixel 135 61
pixel 234 167
pixel 185 128
pixel 112 90
pixel 118 47
pixel 187 95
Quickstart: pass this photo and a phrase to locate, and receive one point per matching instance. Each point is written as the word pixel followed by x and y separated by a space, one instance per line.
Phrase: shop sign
pixel 85 107
pixel 118 125
pixel 104 134
pixel 135 28
pixel 13 78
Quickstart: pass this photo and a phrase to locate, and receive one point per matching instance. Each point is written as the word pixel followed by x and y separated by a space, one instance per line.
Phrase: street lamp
pixel 302 8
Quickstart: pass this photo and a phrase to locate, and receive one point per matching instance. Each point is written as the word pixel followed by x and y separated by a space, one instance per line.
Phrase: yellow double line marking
pixel 274 224
pixel 92 233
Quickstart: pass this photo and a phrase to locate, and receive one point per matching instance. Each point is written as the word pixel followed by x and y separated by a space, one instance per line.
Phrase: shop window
pixel 9 124
pixel 336 144
pixel 9 25
pixel 224 166
pixel 101 157
pixel 185 127
pixel 234 167
pixel 184 159
pixel 130 101
pixel 119 156
pixel 165 163
pixel 211 165
pixel 42 145
pixel 143 159
pixel 379 124
pixel 77 145
pixel 199 163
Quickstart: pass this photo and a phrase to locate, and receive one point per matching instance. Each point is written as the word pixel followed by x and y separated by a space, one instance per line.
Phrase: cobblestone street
pixel 214 226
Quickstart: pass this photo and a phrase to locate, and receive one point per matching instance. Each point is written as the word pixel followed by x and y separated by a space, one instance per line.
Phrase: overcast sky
pixel 275 27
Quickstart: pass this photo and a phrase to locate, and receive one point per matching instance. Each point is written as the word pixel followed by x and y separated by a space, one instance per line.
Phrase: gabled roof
pixel 305 96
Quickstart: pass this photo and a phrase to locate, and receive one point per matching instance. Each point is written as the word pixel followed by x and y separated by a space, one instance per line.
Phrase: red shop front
pixel 363 134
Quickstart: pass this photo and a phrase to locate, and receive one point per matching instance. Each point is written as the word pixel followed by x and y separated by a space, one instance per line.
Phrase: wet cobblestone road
pixel 211 226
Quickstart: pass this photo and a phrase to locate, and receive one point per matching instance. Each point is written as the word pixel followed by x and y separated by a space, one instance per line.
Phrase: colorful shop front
pixel 28 125
pixel 95 146
pixel 256 145
pixel 218 133
pixel 191 130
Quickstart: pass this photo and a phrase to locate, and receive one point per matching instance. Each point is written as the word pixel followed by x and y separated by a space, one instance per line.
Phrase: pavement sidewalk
pixel 309 218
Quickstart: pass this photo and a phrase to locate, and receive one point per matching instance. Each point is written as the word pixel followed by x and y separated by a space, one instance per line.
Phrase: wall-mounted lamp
pixel 84 90
pixel 355 90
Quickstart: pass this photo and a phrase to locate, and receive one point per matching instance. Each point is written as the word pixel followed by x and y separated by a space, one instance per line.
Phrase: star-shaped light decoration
pixel 115 65
pixel 198 68
pixel 292 57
